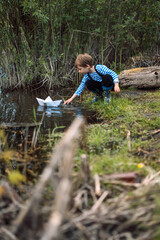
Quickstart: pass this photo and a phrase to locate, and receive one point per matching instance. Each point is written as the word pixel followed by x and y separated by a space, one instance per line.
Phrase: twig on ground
pixel 97 185
pixel 129 140
pixel 9 235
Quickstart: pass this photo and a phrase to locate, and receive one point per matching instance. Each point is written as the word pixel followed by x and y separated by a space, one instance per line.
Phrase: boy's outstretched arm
pixel 116 88
pixel 70 99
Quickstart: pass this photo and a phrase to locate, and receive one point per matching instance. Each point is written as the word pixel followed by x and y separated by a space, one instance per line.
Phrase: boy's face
pixel 83 70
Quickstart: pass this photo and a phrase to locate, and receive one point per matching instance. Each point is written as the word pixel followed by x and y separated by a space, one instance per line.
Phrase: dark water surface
pixel 18 107
pixel 22 108
pixel 19 111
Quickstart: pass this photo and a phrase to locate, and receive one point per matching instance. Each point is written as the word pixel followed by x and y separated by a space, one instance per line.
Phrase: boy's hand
pixel 116 88
pixel 68 101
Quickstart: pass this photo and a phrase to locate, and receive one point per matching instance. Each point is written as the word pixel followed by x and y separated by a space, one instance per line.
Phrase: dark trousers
pixel 98 87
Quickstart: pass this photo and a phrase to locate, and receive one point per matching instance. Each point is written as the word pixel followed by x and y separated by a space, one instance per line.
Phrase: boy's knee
pixel 107 80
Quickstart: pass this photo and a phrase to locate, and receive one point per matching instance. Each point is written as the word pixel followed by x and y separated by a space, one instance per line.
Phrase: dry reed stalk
pixel 129 140
pixel 12 195
pixel 85 170
pixel 60 206
pixel 65 148
pixel 97 185
pixel 8 235
pixel 35 134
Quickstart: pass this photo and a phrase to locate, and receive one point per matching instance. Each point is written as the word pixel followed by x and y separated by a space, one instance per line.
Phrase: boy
pixel 98 79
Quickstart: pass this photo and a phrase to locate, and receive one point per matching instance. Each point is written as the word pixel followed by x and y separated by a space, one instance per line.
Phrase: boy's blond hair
pixel 83 60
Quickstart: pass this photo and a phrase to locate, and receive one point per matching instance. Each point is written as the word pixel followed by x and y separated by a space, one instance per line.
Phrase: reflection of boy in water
pixel 98 79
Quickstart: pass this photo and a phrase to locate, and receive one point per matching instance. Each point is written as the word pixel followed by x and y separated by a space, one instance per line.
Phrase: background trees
pixel 39 39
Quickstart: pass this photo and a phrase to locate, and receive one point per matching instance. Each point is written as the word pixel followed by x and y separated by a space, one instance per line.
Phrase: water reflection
pixel 60 111
pixel 49 111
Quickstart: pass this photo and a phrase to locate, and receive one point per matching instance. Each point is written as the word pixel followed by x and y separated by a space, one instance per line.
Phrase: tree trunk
pixel 143 78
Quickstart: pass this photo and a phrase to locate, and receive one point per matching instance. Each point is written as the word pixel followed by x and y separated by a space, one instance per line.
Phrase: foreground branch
pixel 27 219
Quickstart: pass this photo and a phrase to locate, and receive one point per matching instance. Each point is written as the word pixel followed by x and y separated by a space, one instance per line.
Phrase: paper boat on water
pixel 48 102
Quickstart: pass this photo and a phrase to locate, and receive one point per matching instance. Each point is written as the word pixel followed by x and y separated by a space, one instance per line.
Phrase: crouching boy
pixel 98 79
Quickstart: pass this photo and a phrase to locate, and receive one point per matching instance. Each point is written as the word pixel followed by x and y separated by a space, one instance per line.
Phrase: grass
pixel 107 142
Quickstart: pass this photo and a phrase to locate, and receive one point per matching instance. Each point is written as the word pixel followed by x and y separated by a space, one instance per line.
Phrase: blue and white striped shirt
pixel 96 77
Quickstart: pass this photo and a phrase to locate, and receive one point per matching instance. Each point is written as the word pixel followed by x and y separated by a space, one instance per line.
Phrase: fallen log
pixel 142 78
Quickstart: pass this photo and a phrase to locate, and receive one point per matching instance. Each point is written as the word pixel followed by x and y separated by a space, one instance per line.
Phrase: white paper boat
pixel 48 102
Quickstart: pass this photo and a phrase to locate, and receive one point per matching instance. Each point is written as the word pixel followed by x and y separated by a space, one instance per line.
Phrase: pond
pixel 20 113
pixel 20 107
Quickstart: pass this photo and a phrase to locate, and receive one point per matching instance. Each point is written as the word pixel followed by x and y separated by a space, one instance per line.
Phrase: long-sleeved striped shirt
pixel 96 77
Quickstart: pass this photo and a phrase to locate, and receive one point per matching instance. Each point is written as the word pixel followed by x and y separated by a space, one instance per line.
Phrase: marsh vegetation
pixel 95 178
pixel 41 39
pixel 114 170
